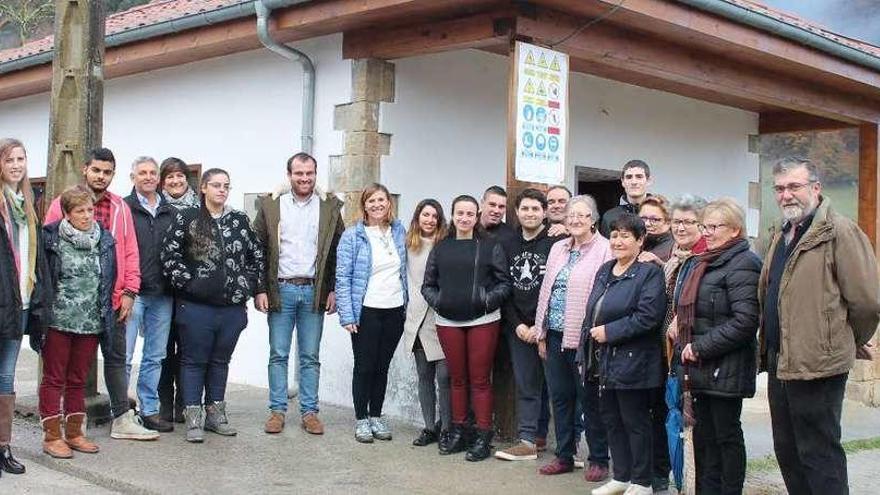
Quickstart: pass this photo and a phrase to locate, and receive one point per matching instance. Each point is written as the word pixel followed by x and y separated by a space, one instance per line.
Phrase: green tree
pixel 26 15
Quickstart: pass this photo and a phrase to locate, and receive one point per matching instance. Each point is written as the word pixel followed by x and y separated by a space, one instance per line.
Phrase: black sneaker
pixel 156 423
pixel 427 437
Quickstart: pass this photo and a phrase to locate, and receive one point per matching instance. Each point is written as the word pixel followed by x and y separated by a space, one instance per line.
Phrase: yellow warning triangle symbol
pixel 554 65
pixel 530 59
pixel 530 88
pixel 542 62
pixel 541 90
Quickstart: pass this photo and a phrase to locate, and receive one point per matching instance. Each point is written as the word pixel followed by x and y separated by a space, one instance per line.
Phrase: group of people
pixel 597 311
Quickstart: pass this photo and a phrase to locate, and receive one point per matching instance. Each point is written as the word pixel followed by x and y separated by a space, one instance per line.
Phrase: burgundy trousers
pixel 66 361
pixel 470 355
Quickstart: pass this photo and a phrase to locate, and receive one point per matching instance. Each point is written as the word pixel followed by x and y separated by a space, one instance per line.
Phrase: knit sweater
pixel 580 283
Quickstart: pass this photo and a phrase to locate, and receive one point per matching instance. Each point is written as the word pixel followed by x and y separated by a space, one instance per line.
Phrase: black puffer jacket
pixel 725 325
pixel 466 279
pixel 632 307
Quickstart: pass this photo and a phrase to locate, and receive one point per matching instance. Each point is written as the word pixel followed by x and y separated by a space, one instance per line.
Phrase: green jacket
pixel 330 228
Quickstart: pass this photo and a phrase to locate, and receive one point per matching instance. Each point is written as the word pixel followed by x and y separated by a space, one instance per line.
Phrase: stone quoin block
pixel 372 80
pixel 356 116
pixel 367 143
pixel 353 172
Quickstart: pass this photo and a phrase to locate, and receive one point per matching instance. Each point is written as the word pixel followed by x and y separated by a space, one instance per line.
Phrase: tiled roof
pixel 811 26
pixel 144 15
pixel 163 10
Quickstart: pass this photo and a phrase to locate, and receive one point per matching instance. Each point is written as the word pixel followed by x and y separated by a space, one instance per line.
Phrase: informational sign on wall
pixel 542 114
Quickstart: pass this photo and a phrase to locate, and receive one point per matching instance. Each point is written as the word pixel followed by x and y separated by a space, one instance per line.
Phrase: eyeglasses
pixel 578 216
pixel 794 187
pixel 220 185
pixel 710 229
pixel 653 220
pixel 684 223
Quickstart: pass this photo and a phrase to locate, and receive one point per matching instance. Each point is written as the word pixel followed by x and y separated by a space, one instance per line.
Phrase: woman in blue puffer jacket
pixel 371 298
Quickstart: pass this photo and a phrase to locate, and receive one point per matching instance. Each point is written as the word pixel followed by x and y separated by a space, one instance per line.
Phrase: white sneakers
pixel 615 487
pixel 635 489
pixel 129 427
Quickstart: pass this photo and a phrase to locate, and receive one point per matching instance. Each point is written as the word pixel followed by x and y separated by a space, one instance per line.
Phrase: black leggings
pixel 373 345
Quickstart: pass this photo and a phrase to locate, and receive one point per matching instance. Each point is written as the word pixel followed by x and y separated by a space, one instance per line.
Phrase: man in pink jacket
pixel 113 215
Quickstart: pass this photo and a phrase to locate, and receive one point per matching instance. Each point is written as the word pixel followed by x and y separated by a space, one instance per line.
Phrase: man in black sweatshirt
pixel 493 206
pixel 528 252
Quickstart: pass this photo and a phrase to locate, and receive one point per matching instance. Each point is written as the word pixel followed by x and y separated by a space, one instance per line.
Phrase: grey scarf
pixel 189 199
pixel 80 240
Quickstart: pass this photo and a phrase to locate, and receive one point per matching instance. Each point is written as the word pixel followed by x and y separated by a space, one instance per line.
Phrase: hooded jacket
pixel 330 228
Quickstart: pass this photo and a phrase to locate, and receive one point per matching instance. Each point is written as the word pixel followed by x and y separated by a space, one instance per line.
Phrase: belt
pixel 296 280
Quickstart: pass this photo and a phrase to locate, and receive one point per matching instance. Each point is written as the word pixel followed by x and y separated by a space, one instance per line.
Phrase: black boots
pixel 7 462
pixel 482 447
pixel 455 443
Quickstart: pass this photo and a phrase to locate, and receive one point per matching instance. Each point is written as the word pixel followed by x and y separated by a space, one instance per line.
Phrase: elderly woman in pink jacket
pixel 571 269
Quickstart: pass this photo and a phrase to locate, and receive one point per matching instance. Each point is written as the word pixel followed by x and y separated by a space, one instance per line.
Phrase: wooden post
pixel 76 110
pixel 869 167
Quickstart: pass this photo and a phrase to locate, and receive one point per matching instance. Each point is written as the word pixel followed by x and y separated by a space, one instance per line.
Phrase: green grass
pixel 768 462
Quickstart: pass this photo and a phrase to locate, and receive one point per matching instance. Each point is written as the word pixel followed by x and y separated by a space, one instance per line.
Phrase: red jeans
pixel 470 355
pixel 66 361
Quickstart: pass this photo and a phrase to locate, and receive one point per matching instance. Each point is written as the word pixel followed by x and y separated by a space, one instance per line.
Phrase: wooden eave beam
pixel 476 31
pixel 679 22
pixel 688 70
pixel 774 122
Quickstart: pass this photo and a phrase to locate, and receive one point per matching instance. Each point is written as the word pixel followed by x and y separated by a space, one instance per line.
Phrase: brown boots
pixel 53 443
pixel 60 448
pixel 73 433
pixel 8 463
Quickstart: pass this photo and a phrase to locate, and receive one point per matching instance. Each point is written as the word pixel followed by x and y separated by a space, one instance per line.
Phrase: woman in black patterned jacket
pixel 216 263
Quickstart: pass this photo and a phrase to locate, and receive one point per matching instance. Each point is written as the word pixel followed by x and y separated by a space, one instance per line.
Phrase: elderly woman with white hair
pixel 571 268
pixel 717 320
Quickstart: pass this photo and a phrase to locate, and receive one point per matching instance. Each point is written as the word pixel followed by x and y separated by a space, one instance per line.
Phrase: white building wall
pixel 448 127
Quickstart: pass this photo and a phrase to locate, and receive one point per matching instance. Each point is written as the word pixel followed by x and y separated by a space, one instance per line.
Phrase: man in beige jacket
pixel 820 299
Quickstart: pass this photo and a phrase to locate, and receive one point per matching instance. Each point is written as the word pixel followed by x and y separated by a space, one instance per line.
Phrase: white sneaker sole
pixel 510 457
pixel 134 436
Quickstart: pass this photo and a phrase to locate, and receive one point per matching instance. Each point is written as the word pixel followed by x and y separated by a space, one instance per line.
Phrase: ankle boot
pixel 455 443
pixel 216 421
pixel 482 447
pixel 53 443
pixel 74 436
pixel 7 410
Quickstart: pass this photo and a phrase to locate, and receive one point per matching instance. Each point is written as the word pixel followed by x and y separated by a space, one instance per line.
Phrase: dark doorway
pixel 603 185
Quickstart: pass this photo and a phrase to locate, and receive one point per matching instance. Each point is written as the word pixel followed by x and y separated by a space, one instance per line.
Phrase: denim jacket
pixel 354 264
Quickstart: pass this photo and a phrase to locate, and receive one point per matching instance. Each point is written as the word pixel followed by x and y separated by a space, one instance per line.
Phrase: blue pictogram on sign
pixel 528 140
pixel 528 113
pixel 540 142
pixel 553 144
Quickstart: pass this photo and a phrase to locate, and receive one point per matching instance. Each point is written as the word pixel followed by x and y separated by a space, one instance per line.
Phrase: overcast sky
pixel 853 18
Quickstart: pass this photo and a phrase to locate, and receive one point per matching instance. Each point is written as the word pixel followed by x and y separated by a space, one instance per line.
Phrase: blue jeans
pixel 567 389
pixel 151 317
pixel 297 312
pixel 208 335
pixel 8 358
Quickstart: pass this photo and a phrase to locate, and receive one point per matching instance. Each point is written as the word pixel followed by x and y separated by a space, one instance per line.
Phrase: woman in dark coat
pixel 624 319
pixel 18 260
pixel 717 324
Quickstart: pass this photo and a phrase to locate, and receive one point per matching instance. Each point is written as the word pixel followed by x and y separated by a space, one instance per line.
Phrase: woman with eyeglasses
pixel 717 320
pixel 215 262
pixel 654 211
pixel 571 269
